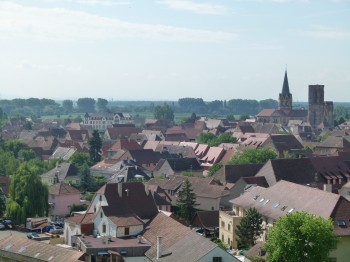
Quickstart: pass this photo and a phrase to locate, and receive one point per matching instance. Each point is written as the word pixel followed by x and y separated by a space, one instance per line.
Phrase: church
pixel 319 114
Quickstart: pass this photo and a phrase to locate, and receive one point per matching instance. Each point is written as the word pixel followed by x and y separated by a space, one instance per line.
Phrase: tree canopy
pixel 86 105
pixel 28 196
pixel 212 140
pixel 163 112
pixel 301 237
pixel 186 201
pixel 252 156
pixel 95 145
pixel 249 229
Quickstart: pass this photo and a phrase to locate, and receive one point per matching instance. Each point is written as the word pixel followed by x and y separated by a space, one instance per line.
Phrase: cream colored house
pixel 286 197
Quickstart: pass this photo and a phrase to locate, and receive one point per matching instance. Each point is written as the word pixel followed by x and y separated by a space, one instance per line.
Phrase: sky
pixel 171 49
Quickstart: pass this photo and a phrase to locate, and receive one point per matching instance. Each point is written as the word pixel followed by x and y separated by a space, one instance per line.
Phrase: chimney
pixel 159 247
pixel 327 187
pixel 120 189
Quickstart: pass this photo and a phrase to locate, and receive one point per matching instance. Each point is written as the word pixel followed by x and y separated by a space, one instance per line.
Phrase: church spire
pixel 285 88
pixel 285 98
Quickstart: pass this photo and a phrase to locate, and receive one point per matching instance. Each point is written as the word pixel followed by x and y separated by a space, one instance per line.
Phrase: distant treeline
pixel 43 107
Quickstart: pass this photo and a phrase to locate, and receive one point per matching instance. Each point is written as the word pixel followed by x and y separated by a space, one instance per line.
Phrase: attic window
pixel 283 208
pixel 256 197
pixel 261 200
pixel 276 205
pixel 341 223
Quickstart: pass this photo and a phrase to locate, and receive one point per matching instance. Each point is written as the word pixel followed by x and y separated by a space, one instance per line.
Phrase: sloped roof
pixel 283 143
pixel 291 197
pixel 234 172
pixel 62 170
pixel 122 132
pixel 144 156
pixel 213 155
pixel 184 164
pixel 266 112
pixel 124 144
pixel 134 200
pixel 63 153
pixel 36 250
pixel 62 189
pixel 206 219
pixel 169 229
pixel 335 142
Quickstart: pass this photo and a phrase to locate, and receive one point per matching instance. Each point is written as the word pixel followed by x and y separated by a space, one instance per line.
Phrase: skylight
pixel 261 200
pixel 276 205
pixel 8 246
pixel 283 208
pixel 21 250
pixel 290 210
pixel 341 223
pixel 266 201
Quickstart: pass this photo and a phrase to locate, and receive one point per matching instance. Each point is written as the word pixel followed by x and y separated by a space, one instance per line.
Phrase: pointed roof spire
pixel 285 88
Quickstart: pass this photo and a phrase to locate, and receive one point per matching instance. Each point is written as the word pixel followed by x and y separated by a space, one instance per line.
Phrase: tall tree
pixel 86 105
pixel 95 145
pixel 186 201
pixel 28 196
pixel 164 113
pixel 87 181
pixel 301 237
pixel 102 105
pixel 249 229
pixel 67 106
pixel 252 156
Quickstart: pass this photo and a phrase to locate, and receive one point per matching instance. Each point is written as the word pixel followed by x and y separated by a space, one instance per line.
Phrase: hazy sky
pixel 169 49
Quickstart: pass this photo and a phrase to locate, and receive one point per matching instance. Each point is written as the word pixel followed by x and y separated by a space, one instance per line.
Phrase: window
pixel 276 205
pixel 101 214
pixel 104 228
pixel 261 200
pixel 229 228
pixel 217 259
pixel 222 223
pixel 341 223
pixel 283 208
pixel 126 231
pixel 222 238
pixel 100 197
pixel 290 210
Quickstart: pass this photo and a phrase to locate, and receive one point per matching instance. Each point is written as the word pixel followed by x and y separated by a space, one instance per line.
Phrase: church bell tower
pixel 285 99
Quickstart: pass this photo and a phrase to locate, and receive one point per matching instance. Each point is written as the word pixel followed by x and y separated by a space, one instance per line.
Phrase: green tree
pixel 163 112
pixel 215 168
pixel 102 105
pixel 67 106
pixel 2 202
pixel 78 159
pixel 87 181
pixel 186 201
pixel 95 145
pixel 301 237
pixel 86 105
pixel 252 156
pixel 249 229
pixel 28 196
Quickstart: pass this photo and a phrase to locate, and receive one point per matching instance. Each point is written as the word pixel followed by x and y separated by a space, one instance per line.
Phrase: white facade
pixel 102 121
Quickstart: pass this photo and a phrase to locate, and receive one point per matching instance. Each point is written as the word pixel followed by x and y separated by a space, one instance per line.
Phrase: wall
pixel 218 252
pixel 63 203
pixel 342 253
pixel 228 222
